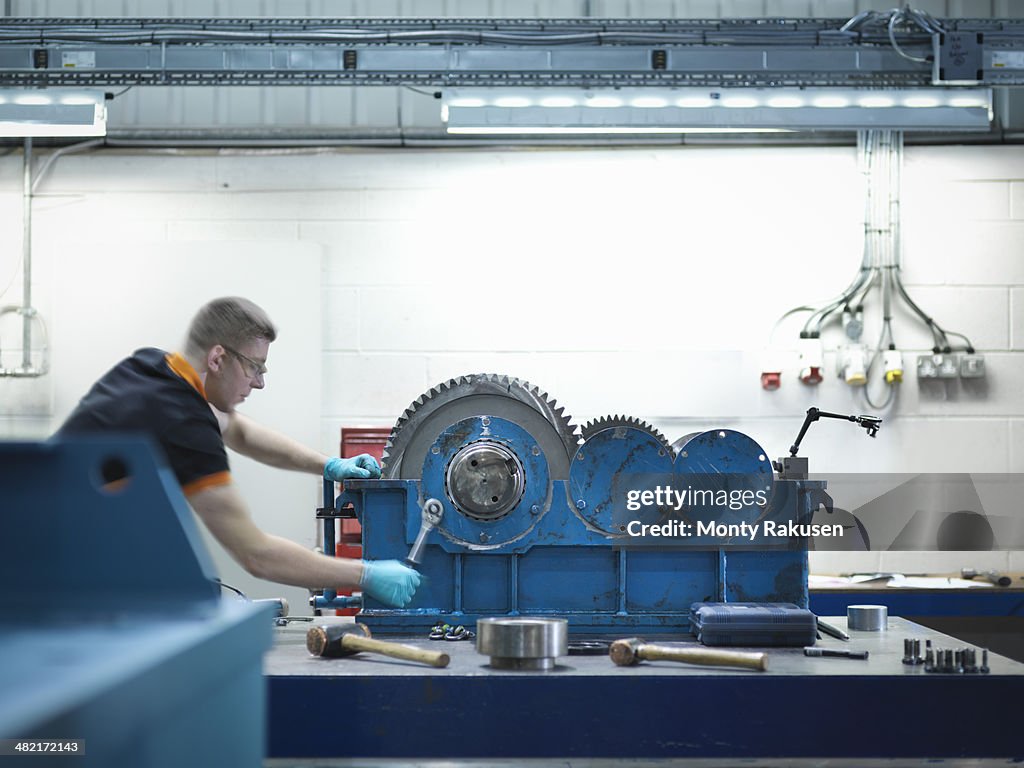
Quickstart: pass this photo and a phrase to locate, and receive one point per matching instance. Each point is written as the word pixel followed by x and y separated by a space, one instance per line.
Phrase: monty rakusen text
pixel 682 529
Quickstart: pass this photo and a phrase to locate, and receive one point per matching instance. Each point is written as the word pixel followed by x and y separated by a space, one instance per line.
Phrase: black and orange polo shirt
pixel 162 396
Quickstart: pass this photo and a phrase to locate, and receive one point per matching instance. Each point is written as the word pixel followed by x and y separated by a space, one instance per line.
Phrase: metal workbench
pixel 369 706
pixel 991 617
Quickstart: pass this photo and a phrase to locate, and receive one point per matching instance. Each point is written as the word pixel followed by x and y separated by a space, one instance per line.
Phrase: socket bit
pixel 984 661
pixel 912 651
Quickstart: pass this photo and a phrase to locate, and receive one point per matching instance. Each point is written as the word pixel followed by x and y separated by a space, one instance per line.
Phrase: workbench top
pixel 289 657
pixel 373 707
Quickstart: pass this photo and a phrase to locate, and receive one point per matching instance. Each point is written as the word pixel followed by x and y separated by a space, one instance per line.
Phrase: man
pixel 186 403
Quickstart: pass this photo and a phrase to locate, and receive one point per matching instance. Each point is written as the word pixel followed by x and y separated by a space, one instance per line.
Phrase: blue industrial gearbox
pixel 511 510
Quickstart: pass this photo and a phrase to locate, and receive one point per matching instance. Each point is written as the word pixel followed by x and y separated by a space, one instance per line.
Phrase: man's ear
pixel 215 358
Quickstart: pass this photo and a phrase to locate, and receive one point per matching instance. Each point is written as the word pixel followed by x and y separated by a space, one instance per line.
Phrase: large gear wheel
pixel 483 394
pixel 591 428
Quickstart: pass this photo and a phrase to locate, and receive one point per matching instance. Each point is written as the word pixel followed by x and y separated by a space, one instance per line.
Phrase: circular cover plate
pixel 723 460
pixel 608 465
pixel 488 534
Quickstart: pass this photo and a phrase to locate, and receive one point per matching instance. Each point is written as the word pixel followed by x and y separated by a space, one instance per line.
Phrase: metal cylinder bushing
pixel 525 643
pixel 485 480
pixel 867 618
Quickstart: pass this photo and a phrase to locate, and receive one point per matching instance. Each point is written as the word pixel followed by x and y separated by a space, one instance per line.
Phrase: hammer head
pixel 625 652
pixel 326 640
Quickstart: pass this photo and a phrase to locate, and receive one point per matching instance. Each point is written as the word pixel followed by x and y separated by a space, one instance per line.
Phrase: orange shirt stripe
pixel 209 481
pixel 184 368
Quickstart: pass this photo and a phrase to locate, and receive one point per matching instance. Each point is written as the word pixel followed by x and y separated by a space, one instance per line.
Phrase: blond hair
pixel 230 321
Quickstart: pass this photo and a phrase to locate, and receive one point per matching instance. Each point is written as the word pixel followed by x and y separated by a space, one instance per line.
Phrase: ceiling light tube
pixel 743 110
pixel 52 112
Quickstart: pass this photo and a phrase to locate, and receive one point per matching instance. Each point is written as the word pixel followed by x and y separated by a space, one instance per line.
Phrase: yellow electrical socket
pixel 892 360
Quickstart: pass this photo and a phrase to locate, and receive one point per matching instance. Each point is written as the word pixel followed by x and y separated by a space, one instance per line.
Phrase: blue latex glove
pixel 390 582
pixel 361 467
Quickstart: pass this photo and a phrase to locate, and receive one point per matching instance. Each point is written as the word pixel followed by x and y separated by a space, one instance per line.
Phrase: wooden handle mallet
pixel 334 641
pixel 633 650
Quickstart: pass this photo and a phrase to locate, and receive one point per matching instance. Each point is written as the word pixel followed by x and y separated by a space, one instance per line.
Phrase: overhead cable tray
pixel 865 51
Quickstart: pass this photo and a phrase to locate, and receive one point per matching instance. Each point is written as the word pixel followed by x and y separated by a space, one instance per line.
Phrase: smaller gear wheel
pixel 591 428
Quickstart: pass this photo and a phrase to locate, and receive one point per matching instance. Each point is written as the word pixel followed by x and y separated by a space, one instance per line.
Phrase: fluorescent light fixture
pixel 875 101
pixel 830 101
pixel 740 102
pixel 603 102
pixel 694 102
pixel 567 111
pixel 466 101
pixel 785 102
pixel 648 102
pixel 964 101
pixel 513 102
pixel 32 99
pixel 556 102
pixel 52 112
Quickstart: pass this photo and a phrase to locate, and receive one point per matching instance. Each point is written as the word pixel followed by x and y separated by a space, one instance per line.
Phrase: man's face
pixel 235 373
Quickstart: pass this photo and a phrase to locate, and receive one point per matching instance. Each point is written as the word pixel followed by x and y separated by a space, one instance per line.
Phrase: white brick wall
pixel 643 281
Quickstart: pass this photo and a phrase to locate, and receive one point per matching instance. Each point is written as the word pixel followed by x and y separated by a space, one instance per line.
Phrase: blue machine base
pixel 560 568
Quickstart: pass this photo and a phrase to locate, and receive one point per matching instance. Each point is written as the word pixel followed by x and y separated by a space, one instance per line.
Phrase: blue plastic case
pixel 776 624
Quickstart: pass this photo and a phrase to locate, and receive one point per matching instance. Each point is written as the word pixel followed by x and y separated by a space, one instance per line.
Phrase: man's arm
pixel 269 447
pixel 263 444
pixel 263 555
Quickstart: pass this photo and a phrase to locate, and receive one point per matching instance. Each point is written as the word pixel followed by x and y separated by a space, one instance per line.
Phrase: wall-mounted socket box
pixel 972 367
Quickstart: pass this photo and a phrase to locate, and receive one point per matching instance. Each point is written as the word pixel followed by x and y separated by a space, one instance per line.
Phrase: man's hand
pixel 390 582
pixel 362 467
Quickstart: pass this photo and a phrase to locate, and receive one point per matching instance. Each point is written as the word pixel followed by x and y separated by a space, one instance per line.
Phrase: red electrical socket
pixel 811 375
pixel 771 380
pixel 812 360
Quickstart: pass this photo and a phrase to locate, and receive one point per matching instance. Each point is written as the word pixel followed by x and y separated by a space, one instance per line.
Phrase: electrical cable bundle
pixel 880 158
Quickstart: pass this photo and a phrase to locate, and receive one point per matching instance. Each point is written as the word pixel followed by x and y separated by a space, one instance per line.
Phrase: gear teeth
pixel 559 411
pixel 528 394
pixel 594 426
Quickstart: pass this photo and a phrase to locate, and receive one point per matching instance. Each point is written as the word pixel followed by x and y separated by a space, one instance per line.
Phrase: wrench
pixel 432 512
